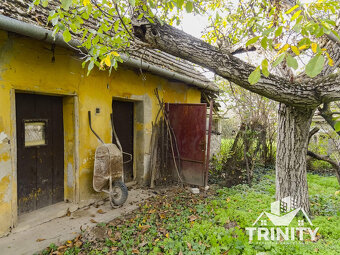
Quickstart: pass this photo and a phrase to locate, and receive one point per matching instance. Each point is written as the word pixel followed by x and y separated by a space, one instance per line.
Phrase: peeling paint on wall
pixel 25 66
pixel 5 174
pixel 3 137
pixel 70 177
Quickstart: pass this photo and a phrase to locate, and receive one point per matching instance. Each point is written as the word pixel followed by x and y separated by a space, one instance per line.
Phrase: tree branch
pixel 327 158
pixel 313 132
pixel 334 164
pixel 307 93
pixel 327 114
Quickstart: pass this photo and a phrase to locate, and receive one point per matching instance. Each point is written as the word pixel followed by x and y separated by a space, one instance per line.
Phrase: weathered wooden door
pixel 122 113
pixel 40 151
pixel 188 122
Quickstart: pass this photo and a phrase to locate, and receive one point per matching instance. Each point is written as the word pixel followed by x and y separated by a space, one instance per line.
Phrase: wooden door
pixel 40 151
pixel 123 116
pixel 188 122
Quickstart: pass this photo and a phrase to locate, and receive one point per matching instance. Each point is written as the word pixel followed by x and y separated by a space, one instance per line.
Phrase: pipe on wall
pixel 43 34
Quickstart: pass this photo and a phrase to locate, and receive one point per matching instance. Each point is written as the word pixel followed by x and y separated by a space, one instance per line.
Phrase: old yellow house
pixel 45 96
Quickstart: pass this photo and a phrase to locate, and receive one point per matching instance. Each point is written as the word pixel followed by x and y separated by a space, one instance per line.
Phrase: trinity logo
pixel 282 214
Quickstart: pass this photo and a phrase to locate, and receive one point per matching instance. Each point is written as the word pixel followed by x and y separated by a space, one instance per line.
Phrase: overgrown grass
pixel 216 171
pixel 226 145
pixel 214 223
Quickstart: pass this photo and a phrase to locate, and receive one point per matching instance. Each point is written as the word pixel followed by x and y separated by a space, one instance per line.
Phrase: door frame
pixel 135 109
pixel 140 168
pixel 134 132
pixel 69 151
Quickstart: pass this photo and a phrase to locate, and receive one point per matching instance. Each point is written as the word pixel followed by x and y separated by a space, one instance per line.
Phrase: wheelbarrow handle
pixel 89 113
pixel 128 155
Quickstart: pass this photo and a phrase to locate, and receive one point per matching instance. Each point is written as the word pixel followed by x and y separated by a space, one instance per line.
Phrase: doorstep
pixel 45 214
pixel 31 238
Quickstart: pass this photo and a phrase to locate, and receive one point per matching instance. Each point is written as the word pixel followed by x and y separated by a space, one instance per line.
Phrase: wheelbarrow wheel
pixel 119 193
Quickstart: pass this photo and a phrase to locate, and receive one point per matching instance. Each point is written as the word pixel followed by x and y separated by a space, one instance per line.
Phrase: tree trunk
pixel 292 145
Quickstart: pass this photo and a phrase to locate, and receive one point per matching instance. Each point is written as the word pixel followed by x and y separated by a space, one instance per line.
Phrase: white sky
pixel 195 24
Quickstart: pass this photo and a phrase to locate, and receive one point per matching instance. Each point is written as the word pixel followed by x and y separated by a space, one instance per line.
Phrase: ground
pixel 213 222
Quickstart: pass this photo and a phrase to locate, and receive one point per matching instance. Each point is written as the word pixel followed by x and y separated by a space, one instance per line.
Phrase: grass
pixel 178 222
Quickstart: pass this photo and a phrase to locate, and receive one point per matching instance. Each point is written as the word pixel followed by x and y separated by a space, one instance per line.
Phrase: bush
pixel 216 170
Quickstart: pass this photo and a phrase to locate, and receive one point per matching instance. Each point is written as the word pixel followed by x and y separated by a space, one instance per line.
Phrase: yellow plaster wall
pixel 26 65
pixel 5 152
pixel 69 147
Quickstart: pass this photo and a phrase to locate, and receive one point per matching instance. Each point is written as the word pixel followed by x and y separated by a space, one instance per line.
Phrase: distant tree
pixel 329 113
pixel 254 138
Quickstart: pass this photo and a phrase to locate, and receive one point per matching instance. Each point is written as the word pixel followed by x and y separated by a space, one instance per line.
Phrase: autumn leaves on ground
pixel 213 222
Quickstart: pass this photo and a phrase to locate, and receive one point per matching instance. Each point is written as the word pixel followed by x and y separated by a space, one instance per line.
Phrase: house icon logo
pixel 281 215
pixel 283 212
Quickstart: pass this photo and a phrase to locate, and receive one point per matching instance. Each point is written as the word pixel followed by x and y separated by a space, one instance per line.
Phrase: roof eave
pixel 43 34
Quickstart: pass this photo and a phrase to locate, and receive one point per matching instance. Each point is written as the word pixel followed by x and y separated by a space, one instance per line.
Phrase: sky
pixel 195 24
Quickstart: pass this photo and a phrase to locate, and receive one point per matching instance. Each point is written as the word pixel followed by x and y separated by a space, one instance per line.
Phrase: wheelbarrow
pixel 108 173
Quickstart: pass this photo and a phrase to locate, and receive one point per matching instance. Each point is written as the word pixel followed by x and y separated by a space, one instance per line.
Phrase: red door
pixel 188 122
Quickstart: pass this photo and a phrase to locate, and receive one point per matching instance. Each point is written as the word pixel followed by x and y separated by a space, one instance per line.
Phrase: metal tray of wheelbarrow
pixel 108 161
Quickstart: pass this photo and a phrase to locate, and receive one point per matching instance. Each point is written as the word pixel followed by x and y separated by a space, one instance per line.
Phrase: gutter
pixel 43 34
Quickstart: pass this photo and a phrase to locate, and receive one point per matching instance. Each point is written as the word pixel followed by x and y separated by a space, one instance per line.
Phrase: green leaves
pixel 255 76
pixel 337 126
pixel 90 67
pixel 180 3
pixel 65 4
pixel 315 65
pixel 264 42
pixel 292 62
pixel 44 3
pixel 260 24
pixel 278 32
pixel 264 67
pixel 252 40
pixel 67 36
pixel 189 6
pixel 279 59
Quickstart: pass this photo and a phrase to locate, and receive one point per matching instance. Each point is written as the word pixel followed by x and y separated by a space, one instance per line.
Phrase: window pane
pixel 35 133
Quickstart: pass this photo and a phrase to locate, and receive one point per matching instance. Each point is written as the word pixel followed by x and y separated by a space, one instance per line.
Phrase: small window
pixel 35 132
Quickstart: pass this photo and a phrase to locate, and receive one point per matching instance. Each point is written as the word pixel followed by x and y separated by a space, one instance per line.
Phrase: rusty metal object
pixel 108 161
pixel 208 145
pixel 108 169
pixel 188 122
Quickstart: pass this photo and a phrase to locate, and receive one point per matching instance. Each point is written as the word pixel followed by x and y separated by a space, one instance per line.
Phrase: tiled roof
pixel 18 10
